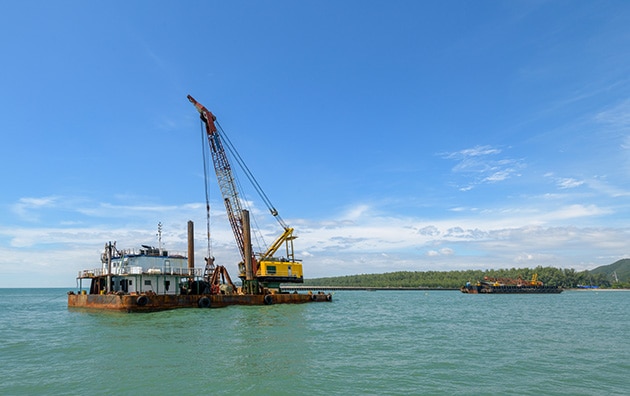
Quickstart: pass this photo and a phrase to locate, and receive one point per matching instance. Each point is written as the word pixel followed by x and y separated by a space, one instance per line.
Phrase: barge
pixel 509 286
pixel 152 279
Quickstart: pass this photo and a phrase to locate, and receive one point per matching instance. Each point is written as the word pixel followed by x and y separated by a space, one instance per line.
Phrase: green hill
pixel 564 277
pixel 568 278
pixel 621 268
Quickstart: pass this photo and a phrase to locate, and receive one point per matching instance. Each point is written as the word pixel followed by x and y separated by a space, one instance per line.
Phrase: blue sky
pixel 405 135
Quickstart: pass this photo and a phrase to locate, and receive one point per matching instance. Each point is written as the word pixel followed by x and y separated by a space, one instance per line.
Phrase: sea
pixel 361 343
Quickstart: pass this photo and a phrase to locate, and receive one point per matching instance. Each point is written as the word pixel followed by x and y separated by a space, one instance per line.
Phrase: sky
pixel 392 135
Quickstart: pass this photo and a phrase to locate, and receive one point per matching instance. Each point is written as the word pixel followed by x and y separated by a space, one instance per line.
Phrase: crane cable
pixel 204 145
pixel 251 178
pixel 260 241
pixel 256 233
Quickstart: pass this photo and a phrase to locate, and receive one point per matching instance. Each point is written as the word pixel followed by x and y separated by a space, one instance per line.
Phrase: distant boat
pixel 509 286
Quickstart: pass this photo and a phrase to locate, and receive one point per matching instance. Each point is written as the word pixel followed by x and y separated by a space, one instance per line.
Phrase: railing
pixel 139 252
pixel 96 272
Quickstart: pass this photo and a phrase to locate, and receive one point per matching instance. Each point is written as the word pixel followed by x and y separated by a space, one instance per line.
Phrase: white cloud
pixel 364 240
pixel 441 252
pixel 498 176
pixel 430 231
pixel 576 211
pixel 565 183
pixel 476 151
pixel 27 208
pixel 356 212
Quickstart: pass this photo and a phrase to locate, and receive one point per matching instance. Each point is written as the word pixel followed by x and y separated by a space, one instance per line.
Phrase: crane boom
pixel 286 236
pixel 224 174
pixel 268 269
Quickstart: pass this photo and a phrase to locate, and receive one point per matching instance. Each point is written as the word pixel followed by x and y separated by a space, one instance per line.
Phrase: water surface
pixel 373 343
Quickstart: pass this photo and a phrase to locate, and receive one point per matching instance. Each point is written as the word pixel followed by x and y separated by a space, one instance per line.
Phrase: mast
pixel 159 235
pixel 108 249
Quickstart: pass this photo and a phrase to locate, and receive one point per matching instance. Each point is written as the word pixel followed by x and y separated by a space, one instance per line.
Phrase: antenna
pixel 159 235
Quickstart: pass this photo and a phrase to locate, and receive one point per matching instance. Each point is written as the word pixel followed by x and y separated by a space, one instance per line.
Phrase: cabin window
pixel 147 283
pixel 167 284
pixel 271 269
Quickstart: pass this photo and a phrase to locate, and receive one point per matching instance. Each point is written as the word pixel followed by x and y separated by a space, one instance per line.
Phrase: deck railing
pixel 96 272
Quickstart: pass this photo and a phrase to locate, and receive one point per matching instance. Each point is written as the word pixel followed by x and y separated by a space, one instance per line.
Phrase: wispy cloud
pixel 602 186
pixel 577 211
pixel 565 183
pixel 477 151
pixel 28 208
pixel 481 165
pixel 598 185
pixel 441 252
pixel 617 116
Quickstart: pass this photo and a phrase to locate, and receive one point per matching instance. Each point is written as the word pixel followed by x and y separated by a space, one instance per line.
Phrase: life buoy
pixel 204 302
pixel 142 300
pixel 268 299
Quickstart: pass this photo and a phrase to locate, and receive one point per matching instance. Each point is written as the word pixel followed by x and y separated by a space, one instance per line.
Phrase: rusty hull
pixel 159 302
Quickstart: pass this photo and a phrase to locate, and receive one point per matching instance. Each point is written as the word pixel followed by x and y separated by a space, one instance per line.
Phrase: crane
pixel 257 270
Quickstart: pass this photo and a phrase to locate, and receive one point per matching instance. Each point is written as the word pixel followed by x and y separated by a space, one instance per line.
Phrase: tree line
pixel 566 278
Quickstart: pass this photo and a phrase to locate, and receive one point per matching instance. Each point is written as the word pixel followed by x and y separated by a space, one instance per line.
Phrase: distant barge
pixel 509 286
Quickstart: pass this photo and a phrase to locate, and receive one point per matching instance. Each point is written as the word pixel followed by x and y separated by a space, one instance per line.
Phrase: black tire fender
pixel 204 302
pixel 142 300
pixel 268 299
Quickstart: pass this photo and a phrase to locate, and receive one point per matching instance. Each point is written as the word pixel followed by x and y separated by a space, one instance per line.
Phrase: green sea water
pixel 363 343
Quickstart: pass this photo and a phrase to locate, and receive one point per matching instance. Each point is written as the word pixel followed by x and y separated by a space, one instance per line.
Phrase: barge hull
pixel 157 302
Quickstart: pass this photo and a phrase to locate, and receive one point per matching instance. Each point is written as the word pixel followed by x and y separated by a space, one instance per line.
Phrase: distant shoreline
pixel 346 288
pixel 366 288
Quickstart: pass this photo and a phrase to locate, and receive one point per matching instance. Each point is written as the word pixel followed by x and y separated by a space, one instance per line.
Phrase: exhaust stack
pixel 191 247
